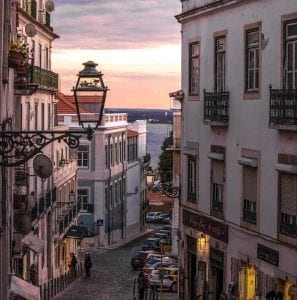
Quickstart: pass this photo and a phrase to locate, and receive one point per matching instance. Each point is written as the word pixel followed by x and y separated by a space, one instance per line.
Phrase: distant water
pixel 156 133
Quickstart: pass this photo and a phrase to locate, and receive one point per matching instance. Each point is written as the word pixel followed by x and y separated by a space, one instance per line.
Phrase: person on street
pixel 73 265
pixel 88 264
pixel 141 281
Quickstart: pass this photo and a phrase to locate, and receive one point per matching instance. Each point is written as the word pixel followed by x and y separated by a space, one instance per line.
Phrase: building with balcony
pixel 52 211
pixel 238 163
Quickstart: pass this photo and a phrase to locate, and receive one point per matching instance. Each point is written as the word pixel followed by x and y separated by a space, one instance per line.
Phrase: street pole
pixel 162 274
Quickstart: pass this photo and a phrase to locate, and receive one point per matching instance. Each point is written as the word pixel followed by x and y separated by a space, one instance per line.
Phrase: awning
pixel 23 288
pixel 77 232
pixel 33 242
pixel 286 168
pixel 217 156
pixel 251 162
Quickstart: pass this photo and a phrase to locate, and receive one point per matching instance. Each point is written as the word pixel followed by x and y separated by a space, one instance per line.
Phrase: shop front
pixel 206 253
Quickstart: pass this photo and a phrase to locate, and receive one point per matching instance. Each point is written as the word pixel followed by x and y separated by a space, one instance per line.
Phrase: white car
pixel 152 217
pixel 170 278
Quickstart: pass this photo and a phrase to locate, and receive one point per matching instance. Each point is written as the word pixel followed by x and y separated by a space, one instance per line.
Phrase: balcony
pixel 288 229
pixel 216 108
pixel 248 216
pixel 217 205
pixel 283 109
pixel 46 80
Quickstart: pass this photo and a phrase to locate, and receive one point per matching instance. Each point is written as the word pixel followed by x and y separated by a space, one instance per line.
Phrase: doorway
pixel 192 275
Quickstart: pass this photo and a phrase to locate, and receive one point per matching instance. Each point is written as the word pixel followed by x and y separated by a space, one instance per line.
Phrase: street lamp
pixel 17 147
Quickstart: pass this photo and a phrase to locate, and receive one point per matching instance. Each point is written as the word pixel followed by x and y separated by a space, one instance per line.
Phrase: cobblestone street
pixel 111 277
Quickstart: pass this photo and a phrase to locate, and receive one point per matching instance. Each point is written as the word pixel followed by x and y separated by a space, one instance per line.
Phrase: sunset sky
pixel 136 44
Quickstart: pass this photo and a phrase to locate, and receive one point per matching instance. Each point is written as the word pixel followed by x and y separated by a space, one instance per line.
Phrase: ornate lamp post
pixel 17 147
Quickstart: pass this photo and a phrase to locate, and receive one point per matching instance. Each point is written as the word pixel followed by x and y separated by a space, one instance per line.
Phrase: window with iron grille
pixel 194 62
pixel 36 115
pixel 191 179
pixel 252 56
pixel 83 157
pixel 220 61
pixel 83 196
pixel 249 191
pixel 290 51
pixel 217 184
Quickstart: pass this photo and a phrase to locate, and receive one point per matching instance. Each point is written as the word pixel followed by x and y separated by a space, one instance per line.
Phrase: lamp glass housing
pixel 150 179
pixel 90 94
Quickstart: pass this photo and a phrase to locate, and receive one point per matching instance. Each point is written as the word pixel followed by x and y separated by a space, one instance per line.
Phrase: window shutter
pixel 250 183
pixel 217 171
pixel 288 195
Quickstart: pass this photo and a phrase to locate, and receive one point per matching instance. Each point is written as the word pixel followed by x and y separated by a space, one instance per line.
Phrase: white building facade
pixel 239 199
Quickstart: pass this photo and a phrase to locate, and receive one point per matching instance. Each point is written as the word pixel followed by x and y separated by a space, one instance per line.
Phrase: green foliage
pixel 166 163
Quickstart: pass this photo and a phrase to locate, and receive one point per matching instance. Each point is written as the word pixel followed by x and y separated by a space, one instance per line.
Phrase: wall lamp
pixel 17 147
pixel 202 242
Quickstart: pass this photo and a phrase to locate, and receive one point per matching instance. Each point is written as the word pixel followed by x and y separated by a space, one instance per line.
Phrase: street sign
pixel 99 222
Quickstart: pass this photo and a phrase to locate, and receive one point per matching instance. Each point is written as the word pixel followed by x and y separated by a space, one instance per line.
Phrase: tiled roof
pixel 65 106
pixel 85 99
pixel 132 133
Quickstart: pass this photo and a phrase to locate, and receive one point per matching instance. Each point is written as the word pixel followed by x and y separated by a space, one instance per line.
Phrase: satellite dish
pixel 49 6
pixel 42 166
pixel 30 30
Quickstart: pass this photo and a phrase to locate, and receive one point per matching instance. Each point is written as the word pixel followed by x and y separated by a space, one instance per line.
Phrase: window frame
pixel 217 54
pixel 84 204
pixel 192 91
pixel 191 178
pixel 80 151
pixel 254 47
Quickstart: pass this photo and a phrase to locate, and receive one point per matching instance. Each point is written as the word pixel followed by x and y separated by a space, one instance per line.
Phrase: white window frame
pixel 83 159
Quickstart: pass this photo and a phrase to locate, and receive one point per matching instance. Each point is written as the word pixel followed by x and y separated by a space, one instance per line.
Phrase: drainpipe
pixel 123 196
pixel 108 192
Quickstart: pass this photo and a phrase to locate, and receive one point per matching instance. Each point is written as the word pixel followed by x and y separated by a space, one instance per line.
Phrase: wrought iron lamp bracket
pixel 168 189
pixel 17 147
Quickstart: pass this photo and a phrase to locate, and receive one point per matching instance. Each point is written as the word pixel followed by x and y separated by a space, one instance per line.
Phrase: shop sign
pixel 216 258
pixel 267 254
pixel 198 222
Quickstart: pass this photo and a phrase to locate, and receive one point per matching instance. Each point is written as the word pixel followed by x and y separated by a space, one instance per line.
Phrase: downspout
pixel 108 192
pixel 122 187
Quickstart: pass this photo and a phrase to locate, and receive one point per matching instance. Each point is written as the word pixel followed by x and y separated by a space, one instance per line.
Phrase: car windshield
pixel 140 255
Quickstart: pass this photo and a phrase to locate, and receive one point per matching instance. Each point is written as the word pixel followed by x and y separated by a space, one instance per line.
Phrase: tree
pixel 165 160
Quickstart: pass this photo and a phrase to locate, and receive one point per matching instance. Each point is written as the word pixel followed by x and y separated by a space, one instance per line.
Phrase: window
pixel 40 55
pixel 290 55
pixel 116 153
pixel 42 116
pixel 116 192
pixel 110 196
pixel 217 184
pixel 46 58
pixel 28 116
pixel 36 115
pixel 48 116
pixel 252 56
pixel 191 178
pixel 194 55
pixel 83 157
pixel 288 204
pixel 83 196
pixel 220 60
pixel 106 157
pixel 106 197
pixel 249 191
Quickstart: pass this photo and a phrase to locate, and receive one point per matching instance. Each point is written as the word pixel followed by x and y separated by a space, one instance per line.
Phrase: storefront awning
pixel 23 288
pixel 33 242
pixel 77 232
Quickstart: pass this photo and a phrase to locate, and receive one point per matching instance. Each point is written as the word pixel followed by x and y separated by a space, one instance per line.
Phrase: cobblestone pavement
pixel 112 277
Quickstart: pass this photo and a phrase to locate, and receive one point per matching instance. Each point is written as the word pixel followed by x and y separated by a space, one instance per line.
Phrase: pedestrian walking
pixel 73 265
pixel 88 264
pixel 141 282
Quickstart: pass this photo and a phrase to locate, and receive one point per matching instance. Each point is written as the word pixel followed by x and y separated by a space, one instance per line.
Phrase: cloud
pixel 114 24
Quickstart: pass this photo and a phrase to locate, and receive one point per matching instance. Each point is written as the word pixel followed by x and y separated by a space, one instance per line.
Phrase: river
pixel 156 133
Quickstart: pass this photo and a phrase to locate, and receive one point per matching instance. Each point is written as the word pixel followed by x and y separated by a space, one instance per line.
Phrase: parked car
pixel 161 217
pixel 167 232
pixel 149 267
pixel 170 278
pixel 167 227
pixel 139 259
pixel 163 237
pixel 152 217
pixel 166 220
pixel 152 244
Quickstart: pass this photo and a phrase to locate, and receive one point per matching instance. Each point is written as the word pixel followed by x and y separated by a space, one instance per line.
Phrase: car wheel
pixel 173 287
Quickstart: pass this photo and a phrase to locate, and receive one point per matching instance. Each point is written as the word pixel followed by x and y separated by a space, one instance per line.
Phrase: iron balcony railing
pixel 216 107
pixel 283 106
pixel 249 216
pixel 288 229
pixel 69 217
pixel 46 80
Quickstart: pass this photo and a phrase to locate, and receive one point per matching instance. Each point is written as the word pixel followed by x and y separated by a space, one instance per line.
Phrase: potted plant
pixel 17 53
